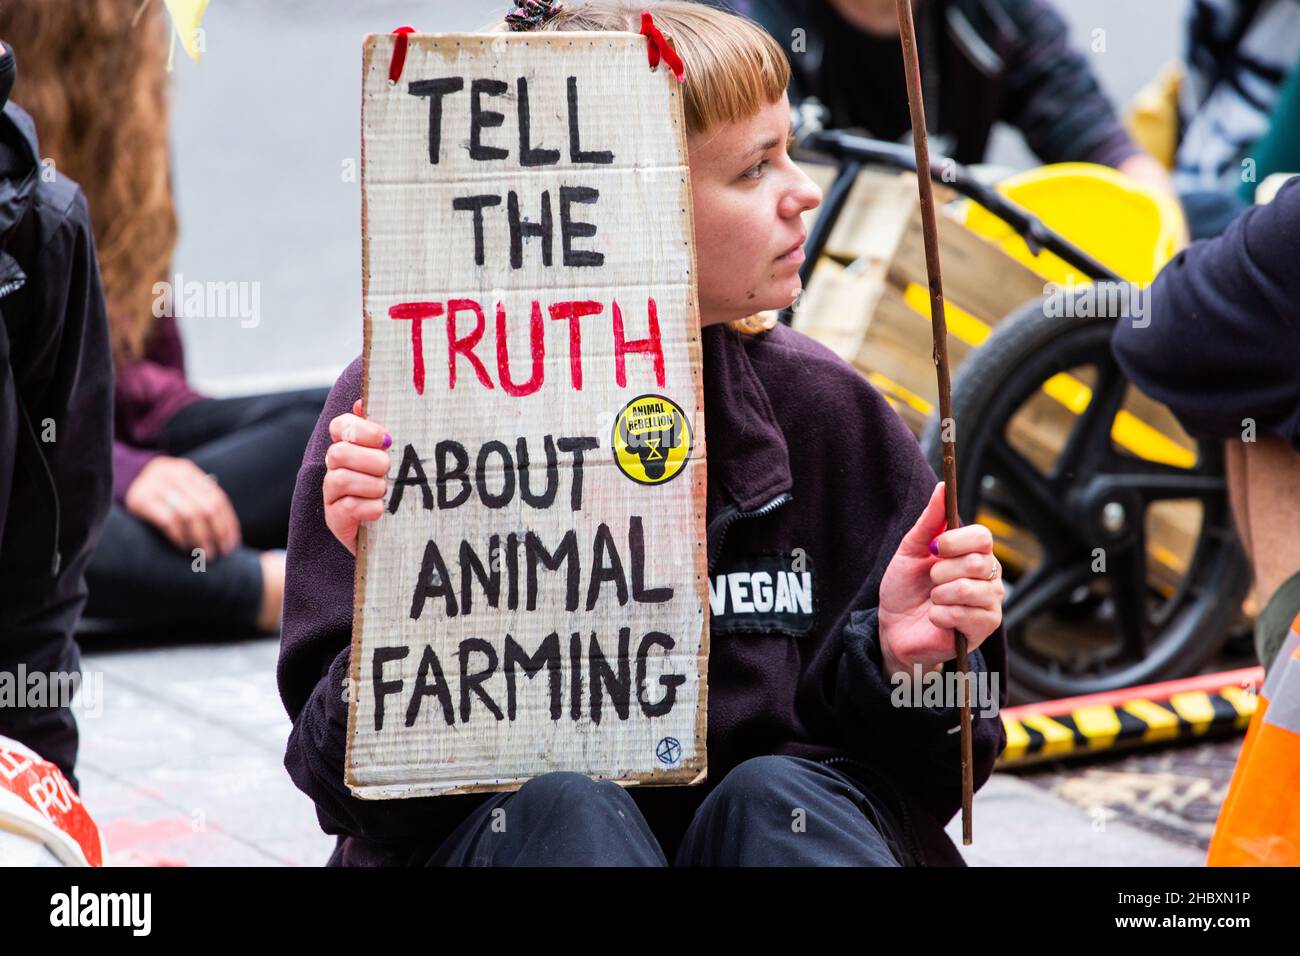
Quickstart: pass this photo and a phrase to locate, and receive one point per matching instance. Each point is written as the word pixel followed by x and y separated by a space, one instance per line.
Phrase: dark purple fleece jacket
pixel 792 432
pixel 1221 343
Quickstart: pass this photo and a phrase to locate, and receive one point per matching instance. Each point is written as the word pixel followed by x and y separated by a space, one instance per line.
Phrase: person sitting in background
pixel 1220 345
pixel 982 61
pixel 201 486
pixel 1237 111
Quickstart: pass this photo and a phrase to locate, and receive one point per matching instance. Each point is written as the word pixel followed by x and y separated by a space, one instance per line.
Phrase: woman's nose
pixel 802 196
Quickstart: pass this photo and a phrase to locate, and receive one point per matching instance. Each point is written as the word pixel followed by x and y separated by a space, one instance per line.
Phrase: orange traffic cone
pixel 1259 823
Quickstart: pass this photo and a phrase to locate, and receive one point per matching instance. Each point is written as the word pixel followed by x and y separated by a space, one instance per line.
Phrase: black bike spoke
pixel 1156 481
pixel 1031 498
pixel 1089 441
pixel 1127 573
pixel 1047 585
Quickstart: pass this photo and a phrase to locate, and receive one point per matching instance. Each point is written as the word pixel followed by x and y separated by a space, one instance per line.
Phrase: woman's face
pixel 749 196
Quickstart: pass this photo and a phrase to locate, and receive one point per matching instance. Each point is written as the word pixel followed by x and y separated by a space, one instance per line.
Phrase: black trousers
pixel 768 811
pixel 253 445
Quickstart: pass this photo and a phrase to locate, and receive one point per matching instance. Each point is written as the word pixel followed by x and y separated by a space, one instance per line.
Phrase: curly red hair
pixel 92 73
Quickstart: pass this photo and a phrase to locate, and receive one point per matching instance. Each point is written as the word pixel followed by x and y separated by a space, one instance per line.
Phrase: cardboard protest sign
pixel 533 597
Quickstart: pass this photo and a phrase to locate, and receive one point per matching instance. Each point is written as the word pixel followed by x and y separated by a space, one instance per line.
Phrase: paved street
pixel 183 766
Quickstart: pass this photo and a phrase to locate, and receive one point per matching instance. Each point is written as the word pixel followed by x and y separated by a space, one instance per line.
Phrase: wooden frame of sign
pixel 533 597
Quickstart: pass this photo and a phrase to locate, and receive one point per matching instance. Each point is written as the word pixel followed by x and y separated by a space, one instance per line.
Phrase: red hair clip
pixel 657 45
pixel 399 54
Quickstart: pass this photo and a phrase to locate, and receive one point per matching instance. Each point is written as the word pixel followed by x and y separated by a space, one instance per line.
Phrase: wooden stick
pixel 939 326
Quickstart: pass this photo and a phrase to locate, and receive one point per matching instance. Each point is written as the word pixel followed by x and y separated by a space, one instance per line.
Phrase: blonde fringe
pixel 733 67
pixel 93 78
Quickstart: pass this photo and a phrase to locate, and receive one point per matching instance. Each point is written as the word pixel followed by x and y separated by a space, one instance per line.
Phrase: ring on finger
pixel 995 570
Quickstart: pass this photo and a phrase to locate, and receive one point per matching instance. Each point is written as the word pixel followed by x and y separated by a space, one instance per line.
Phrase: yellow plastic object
pixel 186 17
pixel 1124 224
pixel 1152 118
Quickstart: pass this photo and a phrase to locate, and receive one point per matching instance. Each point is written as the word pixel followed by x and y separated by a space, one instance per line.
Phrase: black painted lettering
pixel 636 541
pixel 481 119
pixel 546 498
pixel 521 228
pixel 576 152
pixel 530 155
pixel 445 475
pixel 411 472
pixel 476 205
pixel 606 565
pixel 433 582
pixel 619 685
pixel 571 229
pixel 566 552
pixel 489 578
pixel 501 499
pixel 548 656
pixel 384 688
pixel 435 90
pixel 669 682
pixel 473 683
pixel 429 664
pixel 576 447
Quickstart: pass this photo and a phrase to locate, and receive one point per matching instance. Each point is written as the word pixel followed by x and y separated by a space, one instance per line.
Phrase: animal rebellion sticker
pixel 652 440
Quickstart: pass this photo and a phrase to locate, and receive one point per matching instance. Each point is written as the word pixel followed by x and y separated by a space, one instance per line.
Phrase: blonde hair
pixel 733 66
pixel 92 75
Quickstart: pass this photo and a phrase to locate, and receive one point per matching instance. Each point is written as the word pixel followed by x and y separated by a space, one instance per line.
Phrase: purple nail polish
pixel 388 439
pixel 934 546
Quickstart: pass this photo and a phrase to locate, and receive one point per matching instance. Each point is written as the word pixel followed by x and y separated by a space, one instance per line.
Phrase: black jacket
pixel 806 461
pixel 982 61
pixel 1219 342
pixel 56 400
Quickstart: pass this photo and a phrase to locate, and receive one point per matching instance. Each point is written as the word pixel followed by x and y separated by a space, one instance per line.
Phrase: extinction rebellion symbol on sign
pixel 652 440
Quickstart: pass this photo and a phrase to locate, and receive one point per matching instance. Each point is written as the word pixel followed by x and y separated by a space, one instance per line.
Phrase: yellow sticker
pixel 652 440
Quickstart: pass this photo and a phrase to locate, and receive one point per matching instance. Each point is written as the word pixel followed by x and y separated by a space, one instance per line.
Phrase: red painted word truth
pixel 466 324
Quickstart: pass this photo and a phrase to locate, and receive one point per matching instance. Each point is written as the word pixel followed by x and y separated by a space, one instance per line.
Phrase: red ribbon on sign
pixel 399 54
pixel 657 45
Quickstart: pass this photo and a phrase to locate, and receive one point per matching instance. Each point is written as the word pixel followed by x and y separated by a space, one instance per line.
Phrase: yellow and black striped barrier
pixel 1209 705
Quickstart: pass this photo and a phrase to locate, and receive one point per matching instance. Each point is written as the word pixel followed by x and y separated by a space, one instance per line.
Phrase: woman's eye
pixel 756 171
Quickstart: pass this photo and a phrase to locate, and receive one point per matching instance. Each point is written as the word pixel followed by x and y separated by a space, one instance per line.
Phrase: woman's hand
pixel 185 504
pixel 926 594
pixel 356 465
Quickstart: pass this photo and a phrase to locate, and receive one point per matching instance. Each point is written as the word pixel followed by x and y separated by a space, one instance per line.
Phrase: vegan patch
pixel 764 593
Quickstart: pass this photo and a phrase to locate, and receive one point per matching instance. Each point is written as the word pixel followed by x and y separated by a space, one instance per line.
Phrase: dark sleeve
pixel 917 745
pixel 81 395
pixel 1219 339
pixel 62 382
pixel 315 642
pixel 1052 95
